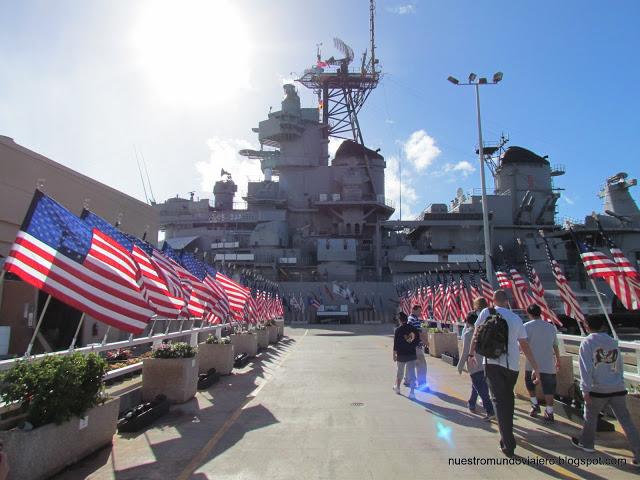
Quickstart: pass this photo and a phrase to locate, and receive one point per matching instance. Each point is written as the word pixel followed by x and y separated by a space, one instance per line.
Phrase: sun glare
pixel 194 52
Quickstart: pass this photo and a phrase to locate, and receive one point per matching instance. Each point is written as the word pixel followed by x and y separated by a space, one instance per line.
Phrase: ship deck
pixel 319 405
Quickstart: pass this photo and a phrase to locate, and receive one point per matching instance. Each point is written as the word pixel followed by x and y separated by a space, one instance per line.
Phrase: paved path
pixel 319 405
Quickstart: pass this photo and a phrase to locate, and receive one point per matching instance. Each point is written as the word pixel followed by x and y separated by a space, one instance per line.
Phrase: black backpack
pixel 493 336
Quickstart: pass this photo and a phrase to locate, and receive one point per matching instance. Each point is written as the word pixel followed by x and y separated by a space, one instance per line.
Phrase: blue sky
pixel 87 83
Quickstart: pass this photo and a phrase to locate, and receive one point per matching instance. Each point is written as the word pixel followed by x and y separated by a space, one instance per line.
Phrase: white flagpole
pixel 106 334
pixel 75 335
pixel 604 310
pixel 35 332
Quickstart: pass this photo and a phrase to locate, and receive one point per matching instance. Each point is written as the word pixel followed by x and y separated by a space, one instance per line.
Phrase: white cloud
pixel 392 189
pixel 421 150
pixel 388 121
pixel 224 154
pixel 406 9
pixel 463 168
pixel 568 200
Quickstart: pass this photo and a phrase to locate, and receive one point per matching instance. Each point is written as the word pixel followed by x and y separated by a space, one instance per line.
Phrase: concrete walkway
pixel 319 405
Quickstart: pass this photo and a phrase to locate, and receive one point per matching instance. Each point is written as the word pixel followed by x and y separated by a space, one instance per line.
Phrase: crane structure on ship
pixel 341 89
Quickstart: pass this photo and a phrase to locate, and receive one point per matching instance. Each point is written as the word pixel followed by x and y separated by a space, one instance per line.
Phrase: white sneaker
pixel 396 389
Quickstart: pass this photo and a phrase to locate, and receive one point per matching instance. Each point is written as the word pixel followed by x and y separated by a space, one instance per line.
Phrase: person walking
pixel 602 384
pixel 415 320
pixel 504 332
pixel 478 380
pixel 405 340
pixel 543 339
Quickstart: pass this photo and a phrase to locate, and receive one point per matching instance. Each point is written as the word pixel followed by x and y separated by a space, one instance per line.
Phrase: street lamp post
pixel 497 77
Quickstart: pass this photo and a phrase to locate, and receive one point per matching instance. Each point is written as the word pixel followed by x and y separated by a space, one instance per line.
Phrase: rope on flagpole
pixel 72 345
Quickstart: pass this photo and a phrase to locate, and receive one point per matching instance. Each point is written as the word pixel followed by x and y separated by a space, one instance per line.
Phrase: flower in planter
pixel 212 339
pixel 174 350
pixel 119 355
pixel 56 388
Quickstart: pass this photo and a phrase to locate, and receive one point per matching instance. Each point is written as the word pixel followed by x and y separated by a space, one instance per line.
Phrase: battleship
pixel 320 225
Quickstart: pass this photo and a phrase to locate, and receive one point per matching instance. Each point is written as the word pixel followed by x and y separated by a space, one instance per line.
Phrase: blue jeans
pixel 481 388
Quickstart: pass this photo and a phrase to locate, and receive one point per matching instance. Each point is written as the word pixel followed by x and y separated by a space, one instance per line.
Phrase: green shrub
pixel 174 350
pixel 56 388
pixel 212 339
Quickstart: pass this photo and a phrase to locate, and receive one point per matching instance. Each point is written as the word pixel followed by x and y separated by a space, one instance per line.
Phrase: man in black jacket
pixel 405 341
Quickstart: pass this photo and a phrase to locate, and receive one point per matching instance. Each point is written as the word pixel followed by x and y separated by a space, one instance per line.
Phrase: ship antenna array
pixel 140 160
pixel 493 154
pixel 342 92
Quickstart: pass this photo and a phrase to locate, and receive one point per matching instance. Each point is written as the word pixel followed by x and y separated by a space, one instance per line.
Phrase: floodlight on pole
pixel 497 77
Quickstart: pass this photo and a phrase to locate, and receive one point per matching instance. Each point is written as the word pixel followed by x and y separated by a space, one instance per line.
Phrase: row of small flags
pixel 122 280
pixel 449 299
pixel 312 300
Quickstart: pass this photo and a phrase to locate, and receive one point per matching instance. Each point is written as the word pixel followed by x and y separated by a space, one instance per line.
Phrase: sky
pixel 97 85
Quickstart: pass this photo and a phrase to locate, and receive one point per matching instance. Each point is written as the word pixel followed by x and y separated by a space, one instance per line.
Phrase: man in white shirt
pixel 502 372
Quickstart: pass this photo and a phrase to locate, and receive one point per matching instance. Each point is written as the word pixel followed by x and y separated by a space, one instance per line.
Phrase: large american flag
pixel 537 291
pixel 219 292
pixel 571 306
pixel 58 253
pixel 503 280
pixel 599 265
pixel 154 286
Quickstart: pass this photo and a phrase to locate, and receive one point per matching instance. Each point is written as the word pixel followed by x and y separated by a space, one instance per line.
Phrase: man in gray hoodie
pixel 602 384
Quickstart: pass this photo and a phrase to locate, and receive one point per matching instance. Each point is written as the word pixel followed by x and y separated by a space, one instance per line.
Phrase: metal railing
pixel 192 333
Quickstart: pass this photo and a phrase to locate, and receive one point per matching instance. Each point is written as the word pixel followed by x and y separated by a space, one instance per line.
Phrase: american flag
pixel 485 287
pixel 454 307
pixel 503 280
pixel 237 294
pixel 198 294
pixel 313 302
pixel 280 308
pixel 520 289
pixel 466 303
pixel 599 265
pixel 58 253
pixel 154 286
pixel 473 286
pixel 537 291
pixel 627 273
pixel 222 307
pixel 207 288
pixel 438 300
pixel 405 304
pixel 252 308
pixel 571 306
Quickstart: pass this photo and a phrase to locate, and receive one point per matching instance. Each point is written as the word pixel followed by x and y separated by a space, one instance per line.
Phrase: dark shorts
pixel 547 381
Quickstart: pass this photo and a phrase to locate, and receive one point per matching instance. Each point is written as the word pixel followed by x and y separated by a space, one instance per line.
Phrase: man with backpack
pixel 499 335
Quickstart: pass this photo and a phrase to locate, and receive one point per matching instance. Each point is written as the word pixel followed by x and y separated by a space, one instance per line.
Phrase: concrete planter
pixel 273 333
pixel 44 451
pixel 245 343
pixel 177 378
pixel 442 342
pixel 280 324
pixel 263 338
pixel 215 355
pixel 633 404
pixel 564 379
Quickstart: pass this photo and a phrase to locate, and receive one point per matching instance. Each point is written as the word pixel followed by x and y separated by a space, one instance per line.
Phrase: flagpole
pixel 106 334
pixel 75 335
pixel 152 327
pixel 604 310
pixel 35 332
